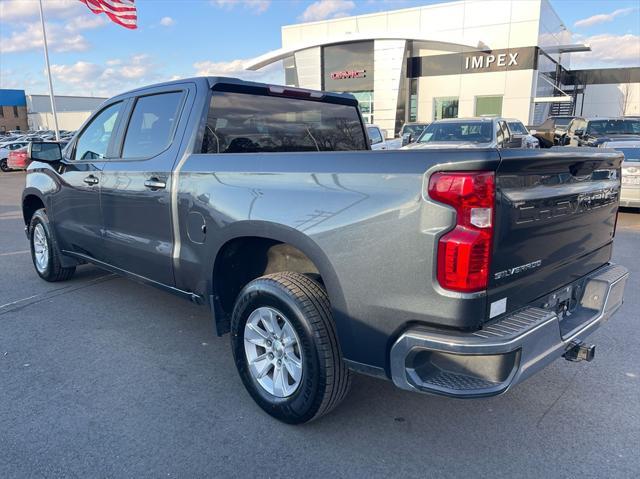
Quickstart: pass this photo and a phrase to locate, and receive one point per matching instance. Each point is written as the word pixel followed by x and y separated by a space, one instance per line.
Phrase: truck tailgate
pixel 554 222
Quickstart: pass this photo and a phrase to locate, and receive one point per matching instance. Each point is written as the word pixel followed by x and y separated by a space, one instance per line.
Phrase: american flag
pixel 122 12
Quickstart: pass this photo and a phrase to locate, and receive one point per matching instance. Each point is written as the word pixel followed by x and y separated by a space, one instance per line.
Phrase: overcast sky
pixel 181 38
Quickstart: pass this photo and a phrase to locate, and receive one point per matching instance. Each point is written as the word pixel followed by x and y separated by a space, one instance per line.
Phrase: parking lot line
pixel 11 253
pixel 37 298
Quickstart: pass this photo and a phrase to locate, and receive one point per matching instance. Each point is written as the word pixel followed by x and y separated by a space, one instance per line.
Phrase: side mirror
pixel 371 141
pixel 406 139
pixel 47 152
pixel 579 133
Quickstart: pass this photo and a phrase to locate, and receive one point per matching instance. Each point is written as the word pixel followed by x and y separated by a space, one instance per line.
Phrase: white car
pixel 378 141
pixel 5 148
pixel 630 192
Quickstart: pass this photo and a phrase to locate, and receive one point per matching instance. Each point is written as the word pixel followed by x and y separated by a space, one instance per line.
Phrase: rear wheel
pixel 44 250
pixel 286 349
pixel 4 165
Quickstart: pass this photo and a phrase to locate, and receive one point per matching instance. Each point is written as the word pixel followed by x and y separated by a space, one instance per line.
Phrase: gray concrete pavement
pixel 103 377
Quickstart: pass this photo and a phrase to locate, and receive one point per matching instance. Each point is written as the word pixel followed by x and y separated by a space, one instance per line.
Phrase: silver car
pixel 479 132
pixel 630 193
pixel 518 130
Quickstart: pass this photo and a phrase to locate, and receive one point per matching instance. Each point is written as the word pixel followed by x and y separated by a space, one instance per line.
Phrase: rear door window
pixel 250 123
pixel 152 125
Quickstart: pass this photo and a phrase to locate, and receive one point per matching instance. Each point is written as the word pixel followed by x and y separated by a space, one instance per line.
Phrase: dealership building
pixel 457 59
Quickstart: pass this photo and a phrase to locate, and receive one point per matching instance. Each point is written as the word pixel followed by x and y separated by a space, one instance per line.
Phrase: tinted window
pixel 375 135
pixel 244 123
pixel 445 107
pixel 414 130
pixel 517 128
pixel 152 124
pixel 94 140
pixel 473 131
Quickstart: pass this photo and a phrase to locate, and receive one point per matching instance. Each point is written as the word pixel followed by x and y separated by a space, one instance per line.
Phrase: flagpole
pixel 46 58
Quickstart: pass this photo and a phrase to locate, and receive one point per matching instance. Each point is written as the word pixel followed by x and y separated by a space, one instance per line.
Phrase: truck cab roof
pixel 277 90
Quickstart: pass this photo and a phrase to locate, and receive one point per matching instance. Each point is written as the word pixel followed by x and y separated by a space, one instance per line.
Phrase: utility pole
pixel 46 59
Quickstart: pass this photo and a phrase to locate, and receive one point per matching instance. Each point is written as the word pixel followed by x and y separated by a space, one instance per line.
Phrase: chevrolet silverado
pixel 458 272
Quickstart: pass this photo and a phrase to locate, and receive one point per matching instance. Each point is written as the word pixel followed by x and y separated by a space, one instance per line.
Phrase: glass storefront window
pixel 413 100
pixel 488 105
pixel 445 107
pixel 290 71
pixel 365 101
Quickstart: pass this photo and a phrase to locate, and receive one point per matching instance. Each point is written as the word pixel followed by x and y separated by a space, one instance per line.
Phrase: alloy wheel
pixel 272 348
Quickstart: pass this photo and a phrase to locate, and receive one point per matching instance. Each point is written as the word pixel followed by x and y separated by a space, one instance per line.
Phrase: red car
pixel 17 159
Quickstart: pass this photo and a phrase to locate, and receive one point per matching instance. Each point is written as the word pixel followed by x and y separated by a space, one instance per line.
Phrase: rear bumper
pixel 489 361
pixel 630 196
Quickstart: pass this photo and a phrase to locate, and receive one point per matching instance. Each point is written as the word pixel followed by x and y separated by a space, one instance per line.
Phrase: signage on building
pixel 348 67
pixel 341 75
pixel 480 61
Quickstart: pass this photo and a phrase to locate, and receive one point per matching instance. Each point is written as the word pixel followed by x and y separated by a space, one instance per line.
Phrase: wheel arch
pixel 32 201
pixel 274 247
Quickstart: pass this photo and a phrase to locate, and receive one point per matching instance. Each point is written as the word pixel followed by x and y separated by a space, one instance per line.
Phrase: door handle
pixel 155 184
pixel 91 180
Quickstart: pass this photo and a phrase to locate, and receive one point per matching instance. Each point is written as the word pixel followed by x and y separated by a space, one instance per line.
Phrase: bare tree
pixel 625 91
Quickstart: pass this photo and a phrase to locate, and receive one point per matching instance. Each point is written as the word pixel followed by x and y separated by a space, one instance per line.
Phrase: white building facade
pixel 457 59
pixel 72 111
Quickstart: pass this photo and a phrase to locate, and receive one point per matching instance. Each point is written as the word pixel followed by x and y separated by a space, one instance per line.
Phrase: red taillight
pixel 464 254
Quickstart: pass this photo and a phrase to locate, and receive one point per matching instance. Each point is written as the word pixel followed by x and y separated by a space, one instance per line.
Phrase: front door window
pixel 93 142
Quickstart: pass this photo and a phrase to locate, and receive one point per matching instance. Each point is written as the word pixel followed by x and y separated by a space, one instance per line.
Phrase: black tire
pixel 53 270
pixel 4 165
pixel 325 378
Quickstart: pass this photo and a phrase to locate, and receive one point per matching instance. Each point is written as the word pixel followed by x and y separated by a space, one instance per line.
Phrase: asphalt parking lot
pixel 103 377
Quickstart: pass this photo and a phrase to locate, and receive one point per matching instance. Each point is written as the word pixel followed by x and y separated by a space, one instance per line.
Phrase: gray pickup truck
pixel 451 271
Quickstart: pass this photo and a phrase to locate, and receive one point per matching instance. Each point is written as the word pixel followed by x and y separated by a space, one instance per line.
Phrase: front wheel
pixel 286 349
pixel 44 250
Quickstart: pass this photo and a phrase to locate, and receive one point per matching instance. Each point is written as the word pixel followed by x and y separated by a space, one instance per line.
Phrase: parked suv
pixel 595 131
